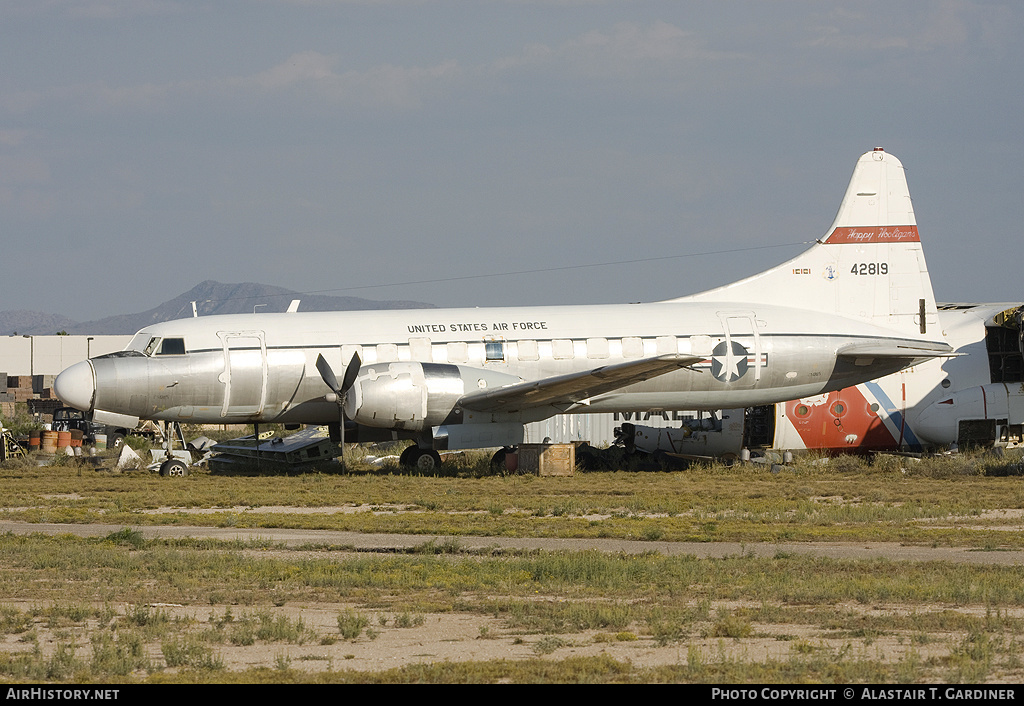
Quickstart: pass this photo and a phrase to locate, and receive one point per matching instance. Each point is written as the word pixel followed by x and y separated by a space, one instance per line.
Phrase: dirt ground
pixel 455 637
pixel 392 640
pixel 400 542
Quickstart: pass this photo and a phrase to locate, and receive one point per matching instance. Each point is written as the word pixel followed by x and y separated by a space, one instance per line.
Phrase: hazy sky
pixel 331 146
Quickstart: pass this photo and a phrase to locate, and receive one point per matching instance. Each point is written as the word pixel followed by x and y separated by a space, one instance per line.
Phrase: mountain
pixel 210 297
pixel 32 322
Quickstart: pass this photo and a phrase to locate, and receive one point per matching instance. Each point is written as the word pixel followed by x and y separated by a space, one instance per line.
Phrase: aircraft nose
pixel 76 386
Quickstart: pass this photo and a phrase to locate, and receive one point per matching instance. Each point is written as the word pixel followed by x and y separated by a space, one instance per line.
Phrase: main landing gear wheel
pixel 174 467
pixel 423 460
pixel 429 460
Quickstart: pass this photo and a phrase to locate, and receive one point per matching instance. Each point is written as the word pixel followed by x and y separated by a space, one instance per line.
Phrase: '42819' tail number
pixel 870 268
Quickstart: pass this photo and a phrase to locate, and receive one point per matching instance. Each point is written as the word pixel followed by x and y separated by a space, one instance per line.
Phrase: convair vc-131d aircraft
pixel 855 306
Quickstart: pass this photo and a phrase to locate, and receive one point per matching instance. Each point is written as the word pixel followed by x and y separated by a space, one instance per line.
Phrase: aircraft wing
pixel 563 391
pixel 908 349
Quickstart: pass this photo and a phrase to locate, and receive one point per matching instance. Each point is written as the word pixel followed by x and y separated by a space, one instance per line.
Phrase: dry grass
pixel 959 501
pixel 124 608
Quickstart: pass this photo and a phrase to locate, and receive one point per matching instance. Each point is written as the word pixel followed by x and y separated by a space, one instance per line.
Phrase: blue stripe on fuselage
pixel 894 414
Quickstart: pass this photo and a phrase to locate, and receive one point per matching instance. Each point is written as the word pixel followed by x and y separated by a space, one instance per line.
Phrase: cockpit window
pixel 148 344
pixel 172 346
pixel 139 342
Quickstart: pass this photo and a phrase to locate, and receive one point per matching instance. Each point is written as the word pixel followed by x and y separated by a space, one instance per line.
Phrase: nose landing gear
pixel 173 466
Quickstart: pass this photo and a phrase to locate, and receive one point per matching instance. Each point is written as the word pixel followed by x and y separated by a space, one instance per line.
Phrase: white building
pixel 49 355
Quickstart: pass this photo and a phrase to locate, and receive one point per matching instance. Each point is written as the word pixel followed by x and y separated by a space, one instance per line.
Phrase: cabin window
pixel 348 350
pixel 421 350
pixel 632 347
pixel 700 345
pixel 666 345
pixel 387 352
pixel 458 352
pixel 597 348
pixel 172 346
pixel 494 351
pixel 151 347
pixel 561 349
pixel 528 350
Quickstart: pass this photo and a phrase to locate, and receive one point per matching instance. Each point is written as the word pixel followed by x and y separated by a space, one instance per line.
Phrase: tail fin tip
pixel 877 205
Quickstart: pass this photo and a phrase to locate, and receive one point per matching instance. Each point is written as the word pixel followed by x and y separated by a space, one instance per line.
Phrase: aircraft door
pixel 245 373
pixel 737 359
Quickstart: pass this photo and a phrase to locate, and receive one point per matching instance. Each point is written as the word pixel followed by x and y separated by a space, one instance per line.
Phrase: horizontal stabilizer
pixel 563 391
pixel 910 349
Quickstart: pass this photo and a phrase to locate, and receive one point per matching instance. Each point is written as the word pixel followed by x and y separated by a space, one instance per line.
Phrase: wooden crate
pixel 547 459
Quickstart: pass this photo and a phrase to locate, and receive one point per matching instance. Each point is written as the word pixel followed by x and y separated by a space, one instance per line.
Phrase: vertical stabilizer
pixel 869 266
pixel 877 199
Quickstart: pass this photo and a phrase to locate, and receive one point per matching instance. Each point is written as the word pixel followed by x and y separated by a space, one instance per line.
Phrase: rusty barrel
pixel 48 442
pixel 63 439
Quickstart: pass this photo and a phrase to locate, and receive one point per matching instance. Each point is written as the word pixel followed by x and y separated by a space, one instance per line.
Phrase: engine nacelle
pixel 414 396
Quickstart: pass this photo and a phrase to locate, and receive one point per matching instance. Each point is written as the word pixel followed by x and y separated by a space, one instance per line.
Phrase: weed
pixel 548 644
pixel 653 533
pixel 63 614
pixel 188 652
pixel 127 537
pixel 351 624
pixel 802 647
pixel 909 667
pixel 665 633
pixel 145 616
pixel 280 628
pixel 405 620
pixel 13 621
pixel 63 663
pixel 242 633
pixel 120 655
pixel 446 546
pixel 694 658
pixel 733 626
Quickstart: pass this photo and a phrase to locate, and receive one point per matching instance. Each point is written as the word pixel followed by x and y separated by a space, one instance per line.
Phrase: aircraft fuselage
pixel 261 367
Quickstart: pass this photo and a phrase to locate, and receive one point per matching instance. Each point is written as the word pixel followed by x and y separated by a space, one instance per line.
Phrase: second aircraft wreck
pixel 855 306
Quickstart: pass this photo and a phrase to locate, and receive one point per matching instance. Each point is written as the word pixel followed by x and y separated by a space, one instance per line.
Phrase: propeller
pixel 339 391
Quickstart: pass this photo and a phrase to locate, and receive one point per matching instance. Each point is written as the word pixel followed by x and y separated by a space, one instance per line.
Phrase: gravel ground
pixel 400 542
